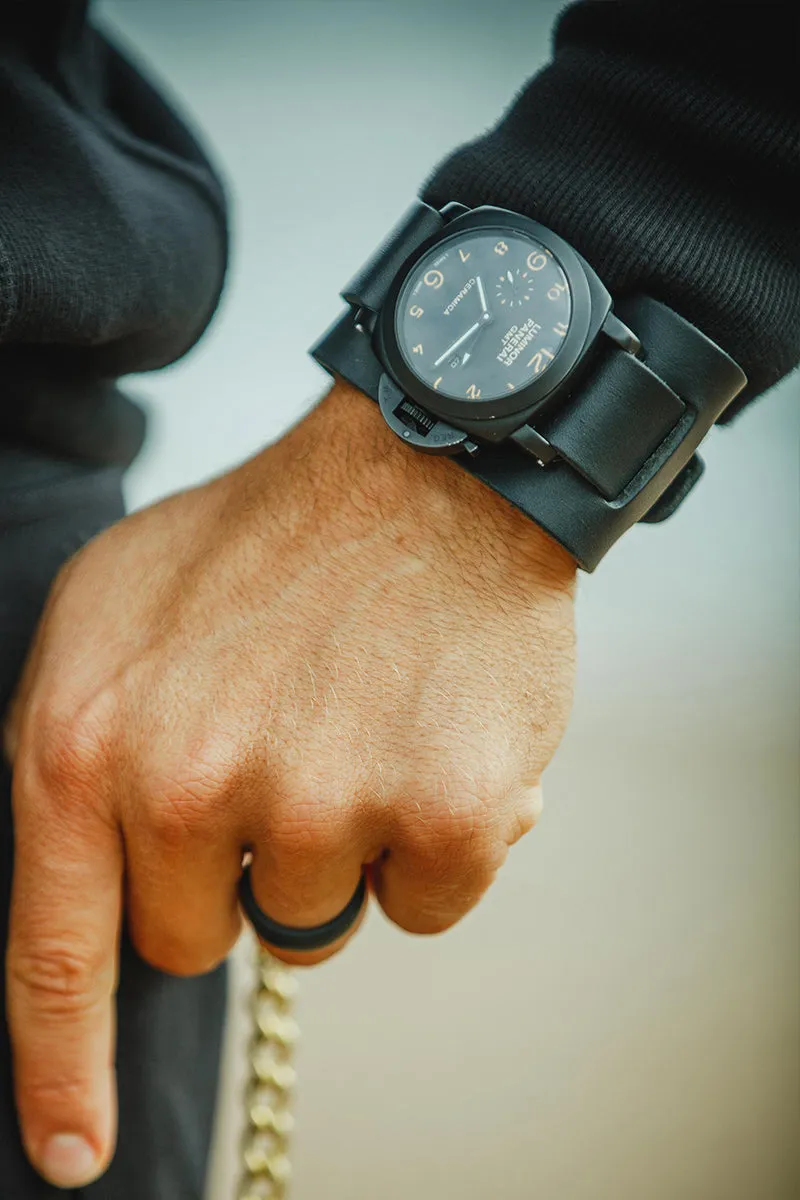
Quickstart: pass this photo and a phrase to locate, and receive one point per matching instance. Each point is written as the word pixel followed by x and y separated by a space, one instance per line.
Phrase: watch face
pixel 483 314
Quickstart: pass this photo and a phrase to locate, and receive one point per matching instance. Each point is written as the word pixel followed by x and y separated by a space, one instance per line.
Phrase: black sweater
pixel 663 141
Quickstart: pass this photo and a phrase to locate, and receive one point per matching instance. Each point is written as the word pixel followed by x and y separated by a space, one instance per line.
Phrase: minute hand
pixel 455 345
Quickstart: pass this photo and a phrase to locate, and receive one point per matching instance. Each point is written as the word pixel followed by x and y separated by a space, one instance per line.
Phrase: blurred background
pixel 620 1017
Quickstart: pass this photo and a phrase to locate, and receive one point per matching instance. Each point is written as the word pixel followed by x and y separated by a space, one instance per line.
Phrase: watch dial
pixel 483 314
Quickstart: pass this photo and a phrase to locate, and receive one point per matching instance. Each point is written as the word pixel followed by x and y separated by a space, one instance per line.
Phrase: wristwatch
pixel 483 334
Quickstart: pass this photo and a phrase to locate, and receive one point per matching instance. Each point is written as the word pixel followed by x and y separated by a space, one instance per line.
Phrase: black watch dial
pixel 483 314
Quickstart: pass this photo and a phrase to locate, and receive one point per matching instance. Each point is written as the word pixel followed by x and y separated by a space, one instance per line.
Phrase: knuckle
pixel 453 834
pixel 457 823
pixel 56 980
pixel 73 744
pixel 306 830
pixel 180 802
pixel 173 817
pixel 526 807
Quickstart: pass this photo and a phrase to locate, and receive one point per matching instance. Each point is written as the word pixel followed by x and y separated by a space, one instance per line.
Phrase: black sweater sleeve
pixel 113 237
pixel 663 141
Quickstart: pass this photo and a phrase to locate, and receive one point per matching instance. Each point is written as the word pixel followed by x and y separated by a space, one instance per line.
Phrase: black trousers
pixel 169 1029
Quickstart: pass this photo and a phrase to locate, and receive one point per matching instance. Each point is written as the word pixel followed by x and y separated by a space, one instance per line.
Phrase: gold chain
pixel 269 1119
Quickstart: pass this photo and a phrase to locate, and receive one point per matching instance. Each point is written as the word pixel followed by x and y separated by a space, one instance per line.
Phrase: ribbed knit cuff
pixel 663 142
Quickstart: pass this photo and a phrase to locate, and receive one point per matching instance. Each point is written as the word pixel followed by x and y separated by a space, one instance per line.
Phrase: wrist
pixel 347 449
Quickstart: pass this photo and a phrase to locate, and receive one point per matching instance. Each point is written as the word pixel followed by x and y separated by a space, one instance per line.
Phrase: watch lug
pixel 453 210
pixel 534 444
pixel 365 320
pixel 493 430
pixel 497 430
pixel 621 335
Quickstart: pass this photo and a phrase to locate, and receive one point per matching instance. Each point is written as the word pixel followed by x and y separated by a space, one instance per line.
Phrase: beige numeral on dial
pixel 417 349
pixel 501 248
pixel 415 311
pixel 537 262
pixel 464 256
pixel 538 361
pixel 560 329
pixel 434 279
pixel 556 290
pixel 473 392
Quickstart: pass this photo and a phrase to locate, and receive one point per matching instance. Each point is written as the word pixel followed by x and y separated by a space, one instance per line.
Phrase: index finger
pixel 60 979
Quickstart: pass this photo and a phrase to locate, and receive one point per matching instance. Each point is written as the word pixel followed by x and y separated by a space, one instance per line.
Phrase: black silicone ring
pixel 289 937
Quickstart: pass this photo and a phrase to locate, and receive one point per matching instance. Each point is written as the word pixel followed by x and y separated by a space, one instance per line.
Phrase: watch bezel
pixel 535 394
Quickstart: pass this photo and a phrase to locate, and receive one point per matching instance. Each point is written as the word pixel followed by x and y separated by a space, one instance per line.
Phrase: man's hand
pixel 342 653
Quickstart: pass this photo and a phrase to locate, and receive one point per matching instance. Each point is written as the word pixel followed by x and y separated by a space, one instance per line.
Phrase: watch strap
pixel 613 424
pixel 670 501
pixel 345 349
pixel 608 473
pixel 368 288
pixel 629 405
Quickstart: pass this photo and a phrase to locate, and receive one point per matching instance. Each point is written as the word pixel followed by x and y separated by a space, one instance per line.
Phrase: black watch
pixel 483 334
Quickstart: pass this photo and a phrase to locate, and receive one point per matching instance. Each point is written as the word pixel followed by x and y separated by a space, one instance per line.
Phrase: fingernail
pixel 69 1161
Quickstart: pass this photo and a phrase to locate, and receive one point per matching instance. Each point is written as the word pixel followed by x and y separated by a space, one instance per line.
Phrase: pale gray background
pixel 619 1019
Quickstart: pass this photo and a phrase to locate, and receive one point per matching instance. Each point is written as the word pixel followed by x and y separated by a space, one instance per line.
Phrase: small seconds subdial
pixel 513 288
pixel 483 314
